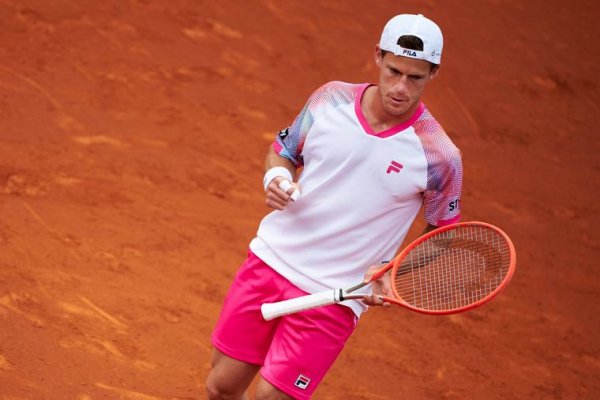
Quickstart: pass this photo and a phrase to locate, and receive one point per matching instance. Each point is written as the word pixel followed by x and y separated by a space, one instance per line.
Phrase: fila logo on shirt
pixel 394 167
pixel 302 382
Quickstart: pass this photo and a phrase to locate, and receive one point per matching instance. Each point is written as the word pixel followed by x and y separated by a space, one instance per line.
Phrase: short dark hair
pixel 410 42
pixel 413 43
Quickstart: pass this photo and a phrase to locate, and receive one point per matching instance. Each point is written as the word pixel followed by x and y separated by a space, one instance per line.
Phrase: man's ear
pixel 378 57
pixel 434 71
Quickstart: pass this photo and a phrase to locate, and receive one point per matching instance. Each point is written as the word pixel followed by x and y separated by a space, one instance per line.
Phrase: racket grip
pixel 273 310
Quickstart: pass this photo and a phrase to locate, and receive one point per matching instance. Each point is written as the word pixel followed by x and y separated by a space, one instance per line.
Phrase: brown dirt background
pixel 132 136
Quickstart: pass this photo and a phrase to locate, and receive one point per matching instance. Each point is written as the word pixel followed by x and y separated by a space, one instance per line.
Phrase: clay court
pixel 132 137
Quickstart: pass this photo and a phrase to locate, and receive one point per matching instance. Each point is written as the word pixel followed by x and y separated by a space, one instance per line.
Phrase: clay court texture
pixel 132 136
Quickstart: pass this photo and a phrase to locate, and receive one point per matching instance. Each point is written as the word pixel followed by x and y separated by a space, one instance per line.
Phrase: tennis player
pixel 346 180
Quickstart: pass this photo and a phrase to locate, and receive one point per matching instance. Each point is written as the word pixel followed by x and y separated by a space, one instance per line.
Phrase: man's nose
pixel 401 83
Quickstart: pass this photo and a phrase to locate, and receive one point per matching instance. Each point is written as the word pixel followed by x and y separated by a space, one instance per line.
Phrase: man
pixel 371 156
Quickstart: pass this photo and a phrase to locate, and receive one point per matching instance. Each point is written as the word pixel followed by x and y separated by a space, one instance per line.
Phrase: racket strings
pixel 453 269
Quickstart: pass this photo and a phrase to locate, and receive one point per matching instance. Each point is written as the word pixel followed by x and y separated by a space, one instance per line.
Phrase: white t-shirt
pixel 361 190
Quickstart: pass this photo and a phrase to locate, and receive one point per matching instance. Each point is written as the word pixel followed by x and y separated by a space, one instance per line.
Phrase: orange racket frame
pixel 488 261
pixel 396 264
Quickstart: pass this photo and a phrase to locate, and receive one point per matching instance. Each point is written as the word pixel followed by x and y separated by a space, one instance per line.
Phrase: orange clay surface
pixel 132 136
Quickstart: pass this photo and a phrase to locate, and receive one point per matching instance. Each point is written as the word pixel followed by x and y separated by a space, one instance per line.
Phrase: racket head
pixel 473 262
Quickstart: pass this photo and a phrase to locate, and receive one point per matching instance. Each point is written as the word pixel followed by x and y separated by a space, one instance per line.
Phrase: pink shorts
pixel 296 350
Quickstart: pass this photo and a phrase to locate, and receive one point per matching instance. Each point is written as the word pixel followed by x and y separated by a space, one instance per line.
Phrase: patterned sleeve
pixel 444 187
pixel 444 173
pixel 290 141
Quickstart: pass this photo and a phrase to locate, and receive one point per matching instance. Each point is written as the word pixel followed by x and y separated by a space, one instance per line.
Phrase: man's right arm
pixel 277 169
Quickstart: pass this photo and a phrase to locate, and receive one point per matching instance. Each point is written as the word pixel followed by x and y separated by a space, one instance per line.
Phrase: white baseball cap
pixel 414 25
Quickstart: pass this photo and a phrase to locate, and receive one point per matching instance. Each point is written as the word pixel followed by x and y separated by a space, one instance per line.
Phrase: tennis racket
pixel 448 270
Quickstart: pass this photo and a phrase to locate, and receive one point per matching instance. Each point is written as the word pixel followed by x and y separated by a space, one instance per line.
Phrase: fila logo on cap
pixel 394 167
pixel 302 382
pixel 408 52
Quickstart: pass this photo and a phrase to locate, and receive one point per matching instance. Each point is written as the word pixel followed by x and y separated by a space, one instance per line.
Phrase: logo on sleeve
pixel 283 133
pixel 302 382
pixel 454 205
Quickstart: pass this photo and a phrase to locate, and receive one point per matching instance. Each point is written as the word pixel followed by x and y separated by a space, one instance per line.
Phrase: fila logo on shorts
pixel 395 167
pixel 302 382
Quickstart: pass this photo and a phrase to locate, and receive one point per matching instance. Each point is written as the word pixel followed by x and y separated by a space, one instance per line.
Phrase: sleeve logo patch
pixel 283 133
pixel 454 205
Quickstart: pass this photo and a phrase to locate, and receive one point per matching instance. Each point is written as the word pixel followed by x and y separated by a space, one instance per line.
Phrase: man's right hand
pixel 277 198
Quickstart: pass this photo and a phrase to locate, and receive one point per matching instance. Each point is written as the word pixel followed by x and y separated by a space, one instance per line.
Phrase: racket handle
pixel 274 310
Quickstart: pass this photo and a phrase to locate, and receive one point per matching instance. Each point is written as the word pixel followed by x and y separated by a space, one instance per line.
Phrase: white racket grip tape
pixel 274 310
pixel 285 185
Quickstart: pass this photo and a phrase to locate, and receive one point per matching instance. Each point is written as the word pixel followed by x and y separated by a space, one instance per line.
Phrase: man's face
pixel 401 82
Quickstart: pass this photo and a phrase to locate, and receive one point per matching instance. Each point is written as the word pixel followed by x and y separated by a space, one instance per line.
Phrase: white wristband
pixel 274 173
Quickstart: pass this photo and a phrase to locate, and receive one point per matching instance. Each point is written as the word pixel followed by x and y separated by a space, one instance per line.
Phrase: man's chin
pixel 397 110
